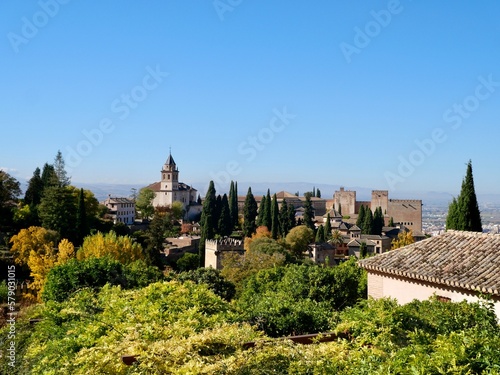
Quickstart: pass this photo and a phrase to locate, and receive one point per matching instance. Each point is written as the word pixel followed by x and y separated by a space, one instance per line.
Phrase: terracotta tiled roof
pixel 466 260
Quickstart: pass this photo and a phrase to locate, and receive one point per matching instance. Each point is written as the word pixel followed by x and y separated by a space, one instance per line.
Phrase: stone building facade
pixel 215 250
pixel 407 212
pixel 169 190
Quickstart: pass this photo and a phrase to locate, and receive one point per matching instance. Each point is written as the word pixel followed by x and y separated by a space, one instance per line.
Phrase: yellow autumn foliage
pixel 37 239
pixel 35 247
pixel 260 232
pixel 404 238
pixel 121 248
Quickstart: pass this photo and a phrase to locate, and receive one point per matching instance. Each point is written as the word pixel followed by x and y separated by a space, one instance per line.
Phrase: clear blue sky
pixel 364 80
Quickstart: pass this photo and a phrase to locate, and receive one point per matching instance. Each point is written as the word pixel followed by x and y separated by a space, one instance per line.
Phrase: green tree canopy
pixel 144 203
pixel 298 238
pixel 33 195
pixel 57 211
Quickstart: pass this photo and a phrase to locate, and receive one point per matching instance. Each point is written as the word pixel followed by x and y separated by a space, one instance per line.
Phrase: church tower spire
pixel 170 175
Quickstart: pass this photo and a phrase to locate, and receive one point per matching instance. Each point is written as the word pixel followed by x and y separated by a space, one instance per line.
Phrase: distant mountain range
pixel 101 191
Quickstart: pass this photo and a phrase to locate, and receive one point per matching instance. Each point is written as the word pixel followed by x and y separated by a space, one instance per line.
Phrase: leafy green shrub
pixel 188 262
pixel 4 291
pixel 299 299
pixel 64 280
pixel 213 279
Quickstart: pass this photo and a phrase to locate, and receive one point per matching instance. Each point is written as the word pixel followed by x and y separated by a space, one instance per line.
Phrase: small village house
pixel 454 266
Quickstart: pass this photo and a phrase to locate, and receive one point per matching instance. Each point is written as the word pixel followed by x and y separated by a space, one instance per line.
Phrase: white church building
pixel 170 190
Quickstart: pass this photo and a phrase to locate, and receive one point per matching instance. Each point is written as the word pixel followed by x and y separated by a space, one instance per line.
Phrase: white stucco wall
pixel 406 290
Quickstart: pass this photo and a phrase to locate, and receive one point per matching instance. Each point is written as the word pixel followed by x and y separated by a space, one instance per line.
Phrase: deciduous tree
pixel 121 248
pixel 144 202
pixel 404 238
pixel 298 238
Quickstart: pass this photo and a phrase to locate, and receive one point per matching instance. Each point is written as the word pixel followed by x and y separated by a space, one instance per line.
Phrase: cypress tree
pixel 224 224
pixel 467 202
pixel 218 209
pixel 314 191
pixel 391 222
pixel 318 193
pixel 82 228
pixel 233 204
pixel 308 213
pixel 368 223
pixel 320 234
pixel 208 221
pixel 267 212
pixel 340 209
pixel 463 212
pixel 328 228
pixel 452 220
pixel 291 217
pixel 262 210
pixel 378 221
pixel 283 219
pixel 249 214
pixel 360 222
pixel 275 223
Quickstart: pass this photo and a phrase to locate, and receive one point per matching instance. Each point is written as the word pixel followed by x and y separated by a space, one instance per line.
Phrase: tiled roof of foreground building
pixel 467 260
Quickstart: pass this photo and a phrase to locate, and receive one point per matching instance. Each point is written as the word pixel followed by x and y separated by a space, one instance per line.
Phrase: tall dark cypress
pixel 262 211
pixel 267 212
pixel 360 222
pixel 328 228
pixel 378 221
pixel 249 214
pixel 233 204
pixel 292 222
pixel 368 222
pixel 320 234
pixel 208 221
pixel 283 219
pixel 224 224
pixel 82 227
pixel 308 213
pixel 275 223
pixel 463 213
